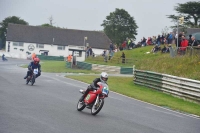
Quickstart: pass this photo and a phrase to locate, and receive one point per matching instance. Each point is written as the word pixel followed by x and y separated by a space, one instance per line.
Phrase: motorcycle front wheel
pixel 28 79
pixel 96 108
pixel 33 79
pixel 80 106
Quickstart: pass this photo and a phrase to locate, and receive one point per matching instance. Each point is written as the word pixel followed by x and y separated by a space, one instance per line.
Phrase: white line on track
pixel 164 112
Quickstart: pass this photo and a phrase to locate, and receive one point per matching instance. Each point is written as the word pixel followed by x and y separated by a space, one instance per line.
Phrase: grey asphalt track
pixel 49 106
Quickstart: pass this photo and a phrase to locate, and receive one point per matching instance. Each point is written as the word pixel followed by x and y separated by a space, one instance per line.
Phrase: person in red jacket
pixel 124 45
pixel 184 44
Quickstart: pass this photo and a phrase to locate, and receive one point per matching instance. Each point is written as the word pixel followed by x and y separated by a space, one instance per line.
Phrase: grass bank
pixel 182 66
pixel 145 94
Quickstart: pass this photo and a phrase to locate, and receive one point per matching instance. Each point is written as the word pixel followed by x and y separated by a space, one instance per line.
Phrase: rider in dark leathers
pixel 34 65
pixel 94 85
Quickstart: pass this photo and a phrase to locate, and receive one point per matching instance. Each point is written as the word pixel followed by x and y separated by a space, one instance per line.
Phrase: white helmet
pixel 104 77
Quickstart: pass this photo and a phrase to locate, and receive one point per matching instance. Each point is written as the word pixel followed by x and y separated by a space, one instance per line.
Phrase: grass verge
pixel 145 94
pixel 59 67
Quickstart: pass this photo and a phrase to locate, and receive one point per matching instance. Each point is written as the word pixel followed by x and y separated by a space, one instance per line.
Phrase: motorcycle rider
pixel 93 86
pixel 34 65
pixel 3 58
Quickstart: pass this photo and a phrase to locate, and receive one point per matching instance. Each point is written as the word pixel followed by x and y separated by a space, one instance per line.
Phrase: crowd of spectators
pixel 161 43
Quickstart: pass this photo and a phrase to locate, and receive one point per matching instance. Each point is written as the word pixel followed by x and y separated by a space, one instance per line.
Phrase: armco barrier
pixel 68 64
pixel 84 65
pixel 126 70
pixel 56 58
pixel 181 87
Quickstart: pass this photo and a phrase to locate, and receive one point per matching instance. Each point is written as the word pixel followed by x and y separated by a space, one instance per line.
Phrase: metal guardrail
pixel 181 87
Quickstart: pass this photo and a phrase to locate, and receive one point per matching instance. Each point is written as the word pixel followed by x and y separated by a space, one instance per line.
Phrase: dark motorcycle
pixel 31 78
pixel 95 99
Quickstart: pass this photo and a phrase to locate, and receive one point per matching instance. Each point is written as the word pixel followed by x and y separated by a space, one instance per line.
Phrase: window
pixel 61 47
pixel 21 44
pixel 78 53
pixel 40 45
pixel 15 43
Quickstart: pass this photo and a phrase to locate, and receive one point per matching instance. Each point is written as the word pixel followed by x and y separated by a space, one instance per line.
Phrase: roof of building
pixel 64 37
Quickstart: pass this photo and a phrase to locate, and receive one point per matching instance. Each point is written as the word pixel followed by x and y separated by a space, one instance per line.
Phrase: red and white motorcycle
pixel 95 99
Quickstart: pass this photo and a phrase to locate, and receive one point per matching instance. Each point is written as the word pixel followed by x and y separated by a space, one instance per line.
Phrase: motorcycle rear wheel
pixel 96 108
pixel 33 79
pixel 80 106
pixel 27 81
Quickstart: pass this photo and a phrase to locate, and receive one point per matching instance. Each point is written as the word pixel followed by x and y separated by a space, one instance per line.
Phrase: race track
pixel 49 106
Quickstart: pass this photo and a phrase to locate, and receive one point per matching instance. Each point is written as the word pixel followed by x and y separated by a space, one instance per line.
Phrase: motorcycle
pixel 31 78
pixel 95 99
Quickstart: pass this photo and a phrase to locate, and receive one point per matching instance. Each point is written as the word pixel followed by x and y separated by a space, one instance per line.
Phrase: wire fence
pixel 115 60
pixel 185 51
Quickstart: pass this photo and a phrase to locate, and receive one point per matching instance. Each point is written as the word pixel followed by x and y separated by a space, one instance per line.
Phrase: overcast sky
pixel 150 15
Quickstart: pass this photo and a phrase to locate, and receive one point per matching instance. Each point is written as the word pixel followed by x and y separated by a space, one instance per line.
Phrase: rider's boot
pixel 26 76
pixel 84 95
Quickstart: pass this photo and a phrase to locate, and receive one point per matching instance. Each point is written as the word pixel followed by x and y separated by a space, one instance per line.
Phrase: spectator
pixel 111 47
pixel 116 48
pixel 158 40
pixel 69 58
pixel 162 39
pixel 165 49
pixel 87 52
pixel 104 52
pixel 106 55
pixel 154 39
pixel 129 43
pixel 170 38
pixel 194 42
pixel 132 44
pixel 123 57
pixel 124 45
pixel 144 41
pixel 33 56
pixel 8 46
pixel 179 40
pixel 90 51
pixel 149 41
pixel 110 55
pixel 190 41
pixel 155 49
pixel 184 44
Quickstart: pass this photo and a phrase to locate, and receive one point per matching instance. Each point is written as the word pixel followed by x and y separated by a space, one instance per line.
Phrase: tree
pixel 189 10
pixel 51 24
pixel 119 25
pixel 4 26
pixel 46 25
